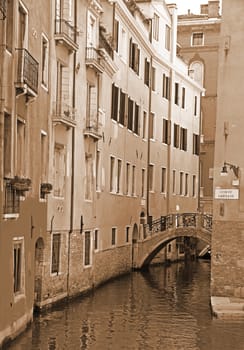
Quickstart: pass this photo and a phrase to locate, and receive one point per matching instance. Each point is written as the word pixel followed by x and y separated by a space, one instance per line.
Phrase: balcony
pixel 27 74
pixel 94 59
pixel 63 114
pixel 66 34
pixel 3 9
pixel 105 42
pixel 93 128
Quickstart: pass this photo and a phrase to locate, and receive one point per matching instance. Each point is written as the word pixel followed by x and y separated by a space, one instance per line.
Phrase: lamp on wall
pixel 232 167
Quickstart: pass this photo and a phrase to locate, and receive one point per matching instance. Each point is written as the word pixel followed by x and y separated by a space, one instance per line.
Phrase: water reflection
pixel 162 308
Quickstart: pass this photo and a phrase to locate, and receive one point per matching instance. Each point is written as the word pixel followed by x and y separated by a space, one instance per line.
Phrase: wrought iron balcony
pixel 93 128
pixel 3 9
pixel 63 114
pixel 66 34
pixel 27 74
pixel 94 59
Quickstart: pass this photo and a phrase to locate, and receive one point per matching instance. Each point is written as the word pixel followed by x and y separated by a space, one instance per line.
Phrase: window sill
pixel 10 216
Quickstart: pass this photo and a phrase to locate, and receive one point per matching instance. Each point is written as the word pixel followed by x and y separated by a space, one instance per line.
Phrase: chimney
pixel 204 9
pixel 213 8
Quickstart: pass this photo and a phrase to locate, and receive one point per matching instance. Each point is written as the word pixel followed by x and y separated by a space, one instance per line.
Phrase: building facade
pixel 227 237
pixel 99 134
pixel 198 37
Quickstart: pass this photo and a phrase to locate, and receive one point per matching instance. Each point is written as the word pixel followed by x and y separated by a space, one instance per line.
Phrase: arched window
pixel 197 70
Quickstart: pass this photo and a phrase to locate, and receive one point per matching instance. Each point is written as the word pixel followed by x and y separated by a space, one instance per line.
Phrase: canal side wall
pixel 227 261
pixel 74 278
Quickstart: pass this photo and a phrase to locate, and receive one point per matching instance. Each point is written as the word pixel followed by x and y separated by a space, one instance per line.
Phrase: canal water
pixel 164 308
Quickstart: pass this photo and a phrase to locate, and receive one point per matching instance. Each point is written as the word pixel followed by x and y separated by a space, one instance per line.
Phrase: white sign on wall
pixel 221 193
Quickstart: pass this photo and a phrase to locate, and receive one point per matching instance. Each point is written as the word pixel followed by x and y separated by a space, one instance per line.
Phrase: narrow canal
pixel 163 308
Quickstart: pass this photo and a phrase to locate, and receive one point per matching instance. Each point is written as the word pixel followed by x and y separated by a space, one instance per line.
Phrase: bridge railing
pixel 182 220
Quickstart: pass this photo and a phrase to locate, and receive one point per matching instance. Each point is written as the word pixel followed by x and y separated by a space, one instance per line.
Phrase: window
pixel 87 247
pixel 197 71
pixel 167 37
pixel 176 136
pixel 11 199
pixel 166 87
pixel 123 44
pixel 163 180
pixel 9 25
pixel 127 234
pixel 22 27
pixel 181 183
pixel 186 184
pixel 56 244
pixel 18 268
pixel 122 107
pixel 146 72
pixel 130 114
pixel 166 131
pixel 151 125
pixel 155 26
pixel 7 145
pixel 143 183
pixel 196 144
pixel 98 171
pixel 195 106
pixel 151 176
pixel 136 120
pixel 91 31
pixel 127 176
pixel 193 185
pixel 134 57
pixel 63 95
pixel 144 129
pixel 174 182
pixel 44 63
pixel 177 93
pixel 116 35
pixel 197 39
pixel 20 149
pixel 112 174
pixel 133 187
pixel 59 170
pixel 153 79
pixel 113 238
pixel 88 177
pixel 115 100
pixel 119 166
pixel 43 157
pixel 96 236
pixel 183 97
pixel 183 139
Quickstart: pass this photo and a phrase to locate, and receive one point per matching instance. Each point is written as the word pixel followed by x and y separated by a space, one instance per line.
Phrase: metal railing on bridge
pixel 183 220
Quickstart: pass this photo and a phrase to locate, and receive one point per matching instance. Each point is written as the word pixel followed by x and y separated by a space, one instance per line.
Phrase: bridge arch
pixel 152 245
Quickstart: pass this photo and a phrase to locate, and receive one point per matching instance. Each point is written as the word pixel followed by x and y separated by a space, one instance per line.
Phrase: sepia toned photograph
pixel 121 175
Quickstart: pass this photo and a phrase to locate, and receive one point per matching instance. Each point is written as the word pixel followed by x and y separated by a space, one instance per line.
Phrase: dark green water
pixel 164 308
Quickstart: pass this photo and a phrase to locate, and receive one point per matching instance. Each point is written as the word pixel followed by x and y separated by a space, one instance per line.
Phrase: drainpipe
pixel 72 160
pixel 2 57
pixel 148 131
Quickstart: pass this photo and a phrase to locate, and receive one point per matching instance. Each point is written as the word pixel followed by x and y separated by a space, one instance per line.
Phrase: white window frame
pixel 192 39
pixel 19 241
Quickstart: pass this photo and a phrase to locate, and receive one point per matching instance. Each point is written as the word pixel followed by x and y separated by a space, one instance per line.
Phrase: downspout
pixel 2 58
pixel 72 156
pixel 149 131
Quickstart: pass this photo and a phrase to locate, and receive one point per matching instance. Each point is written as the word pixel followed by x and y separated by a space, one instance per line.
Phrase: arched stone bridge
pixel 160 232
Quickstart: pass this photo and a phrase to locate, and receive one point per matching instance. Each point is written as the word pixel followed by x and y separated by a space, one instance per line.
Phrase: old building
pixel 99 135
pixel 227 238
pixel 24 150
pixel 198 38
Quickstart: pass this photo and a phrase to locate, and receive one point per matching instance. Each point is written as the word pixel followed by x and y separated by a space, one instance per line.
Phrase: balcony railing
pixel 94 59
pixel 27 73
pixel 66 33
pixel 63 113
pixel 3 9
pixel 105 44
pixel 93 128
